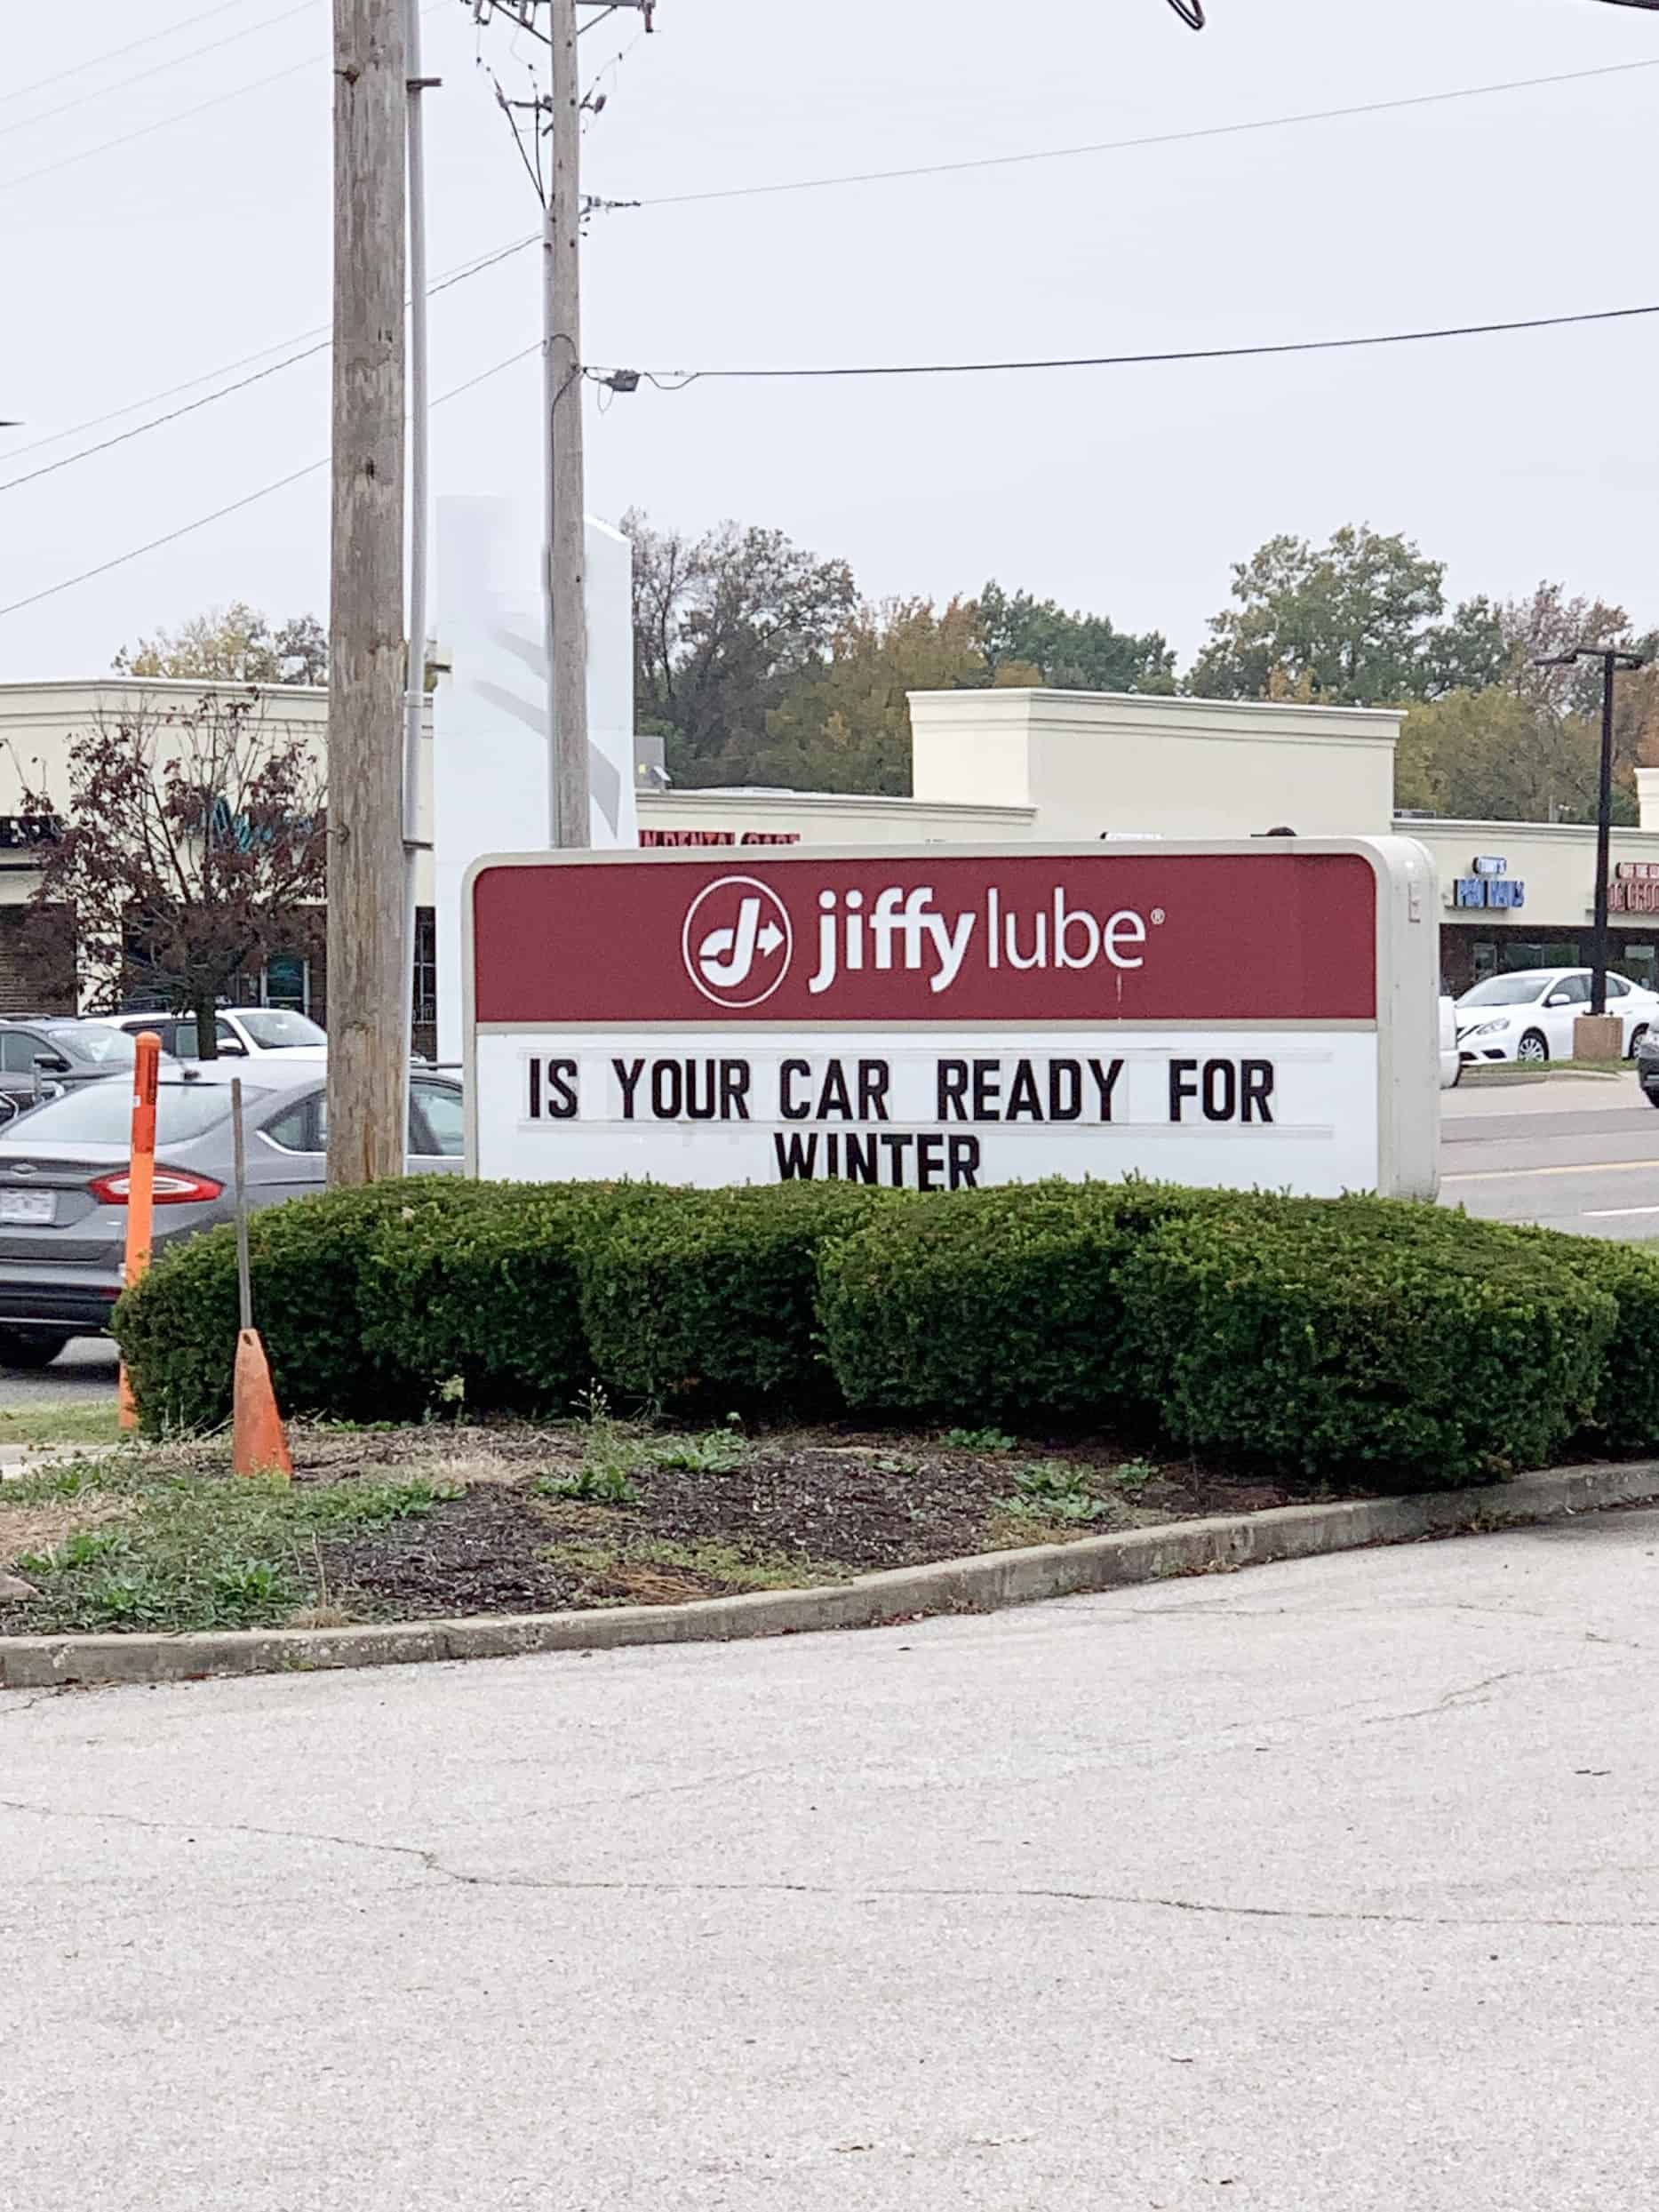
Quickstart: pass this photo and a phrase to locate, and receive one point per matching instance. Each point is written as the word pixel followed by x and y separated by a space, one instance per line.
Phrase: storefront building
pixel 1004 766
pixel 989 768
pixel 39 723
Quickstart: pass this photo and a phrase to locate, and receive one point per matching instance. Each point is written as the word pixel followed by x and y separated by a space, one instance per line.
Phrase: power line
pixel 1160 138
pixel 163 122
pixel 519 245
pixel 677 379
pixel 50 469
pixel 124 83
pixel 78 69
pixel 248 498
pixel 321 334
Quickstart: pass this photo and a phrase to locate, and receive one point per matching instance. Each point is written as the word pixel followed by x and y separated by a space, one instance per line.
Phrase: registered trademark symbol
pixel 1157 913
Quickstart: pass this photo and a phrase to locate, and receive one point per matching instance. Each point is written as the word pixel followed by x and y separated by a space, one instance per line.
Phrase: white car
pixel 244 1033
pixel 1451 1058
pixel 1529 1015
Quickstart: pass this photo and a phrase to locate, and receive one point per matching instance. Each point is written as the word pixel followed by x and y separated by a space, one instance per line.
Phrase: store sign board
pixel 1634 888
pixel 938 1018
pixel 1488 892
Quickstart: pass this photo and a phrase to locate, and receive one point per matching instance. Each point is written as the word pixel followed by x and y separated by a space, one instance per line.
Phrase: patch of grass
pixel 979 1440
pixel 717 1453
pixel 117 1477
pixel 604 1483
pixel 710 1561
pixel 195 1551
pixel 60 1425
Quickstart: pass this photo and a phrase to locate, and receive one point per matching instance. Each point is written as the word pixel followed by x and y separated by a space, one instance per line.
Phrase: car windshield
pixel 101 1113
pixel 94 1046
pixel 1517 990
pixel 278 1029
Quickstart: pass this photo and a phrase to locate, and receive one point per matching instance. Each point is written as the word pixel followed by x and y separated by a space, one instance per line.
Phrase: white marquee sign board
pixel 942 1019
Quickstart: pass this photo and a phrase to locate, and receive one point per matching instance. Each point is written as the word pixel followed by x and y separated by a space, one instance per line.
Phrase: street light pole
pixel 1612 658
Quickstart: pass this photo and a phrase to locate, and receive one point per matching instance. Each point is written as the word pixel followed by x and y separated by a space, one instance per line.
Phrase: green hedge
pixel 481 1283
pixel 177 1328
pixel 1324 1338
pixel 1361 1333
pixel 992 1304
pixel 1626 1412
pixel 711 1303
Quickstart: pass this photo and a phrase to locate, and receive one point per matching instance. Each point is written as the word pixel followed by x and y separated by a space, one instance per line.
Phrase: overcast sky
pixel 1128 491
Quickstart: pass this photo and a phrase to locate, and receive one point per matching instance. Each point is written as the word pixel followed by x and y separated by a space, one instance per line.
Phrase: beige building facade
pixel 993 768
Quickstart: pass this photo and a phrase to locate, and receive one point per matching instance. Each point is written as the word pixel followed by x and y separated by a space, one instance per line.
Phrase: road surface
pixel 1580 1153
pixel 1330 1885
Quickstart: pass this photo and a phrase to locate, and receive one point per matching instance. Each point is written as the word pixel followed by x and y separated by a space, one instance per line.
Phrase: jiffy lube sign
pixel 939 1019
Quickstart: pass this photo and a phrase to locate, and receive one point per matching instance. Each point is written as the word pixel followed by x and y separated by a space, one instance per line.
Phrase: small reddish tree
pixel 190 845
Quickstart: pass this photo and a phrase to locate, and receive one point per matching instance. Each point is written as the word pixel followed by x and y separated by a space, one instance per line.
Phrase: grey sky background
pixel 1127 491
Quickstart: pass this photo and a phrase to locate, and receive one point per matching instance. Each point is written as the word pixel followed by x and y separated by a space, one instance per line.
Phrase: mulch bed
pixel 784 1508
pixel 800 1507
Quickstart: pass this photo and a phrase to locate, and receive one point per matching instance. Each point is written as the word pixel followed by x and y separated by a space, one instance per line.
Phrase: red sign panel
pixel 904 935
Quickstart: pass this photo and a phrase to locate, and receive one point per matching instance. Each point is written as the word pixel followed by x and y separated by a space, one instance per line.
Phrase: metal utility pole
pixel 367 982
pixel 420 502
pixel 1612 659
pixel 567 498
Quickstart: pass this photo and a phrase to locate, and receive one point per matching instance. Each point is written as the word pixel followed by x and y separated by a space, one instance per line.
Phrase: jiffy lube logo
pixel 737 941
pixel 901 928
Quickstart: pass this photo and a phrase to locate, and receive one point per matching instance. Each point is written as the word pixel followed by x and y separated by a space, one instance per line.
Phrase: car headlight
pixel 1487 1028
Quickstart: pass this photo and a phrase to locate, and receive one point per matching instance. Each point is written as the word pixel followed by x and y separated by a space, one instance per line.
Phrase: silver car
pixel 63 1180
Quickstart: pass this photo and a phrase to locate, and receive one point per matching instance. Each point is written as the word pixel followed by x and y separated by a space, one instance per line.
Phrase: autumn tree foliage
pixel 190 846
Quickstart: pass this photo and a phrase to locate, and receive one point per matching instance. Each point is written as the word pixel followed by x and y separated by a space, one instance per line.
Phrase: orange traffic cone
pixel 258 1443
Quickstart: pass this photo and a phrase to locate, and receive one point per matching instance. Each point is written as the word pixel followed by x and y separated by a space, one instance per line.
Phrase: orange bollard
pixel 258 1442
pixel 140 1187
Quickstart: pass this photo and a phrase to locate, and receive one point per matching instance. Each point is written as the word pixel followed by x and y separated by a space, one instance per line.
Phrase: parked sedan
pixel 1529 1015
pixel 64 1170
pixel 240 1032
pixel 41 1057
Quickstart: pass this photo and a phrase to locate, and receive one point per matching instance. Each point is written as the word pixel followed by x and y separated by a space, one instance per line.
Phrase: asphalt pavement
pixel 85 1369
pixel 1330 1885
pixel 1573 1152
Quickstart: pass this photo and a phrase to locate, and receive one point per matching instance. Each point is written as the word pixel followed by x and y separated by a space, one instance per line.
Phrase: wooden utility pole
pixel 557 117
pixel 561 358
pixel 366 977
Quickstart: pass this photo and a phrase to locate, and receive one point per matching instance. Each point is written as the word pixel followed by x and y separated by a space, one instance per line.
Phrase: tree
pixel 1070 652
pixel 191 845
pixel 724 626
pixel 847 726
pixel 234 644
pixel 1498 755
pixel 1356 616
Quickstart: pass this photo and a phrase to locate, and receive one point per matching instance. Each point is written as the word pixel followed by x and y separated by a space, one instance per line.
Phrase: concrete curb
pixel 981 1584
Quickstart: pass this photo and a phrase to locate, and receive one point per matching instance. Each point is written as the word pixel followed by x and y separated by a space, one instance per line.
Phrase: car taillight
pixel 174 1187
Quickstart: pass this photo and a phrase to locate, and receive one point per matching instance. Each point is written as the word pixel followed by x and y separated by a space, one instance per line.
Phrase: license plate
pixel 31 1206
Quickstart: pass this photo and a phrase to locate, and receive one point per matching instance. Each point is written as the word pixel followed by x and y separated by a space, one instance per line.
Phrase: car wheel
pixel 1637 1035
pixel 1458 1077
pixel 1532 1047
pixel 29 1347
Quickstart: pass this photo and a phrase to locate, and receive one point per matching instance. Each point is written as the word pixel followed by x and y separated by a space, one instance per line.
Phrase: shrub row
pixel 1405 1343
